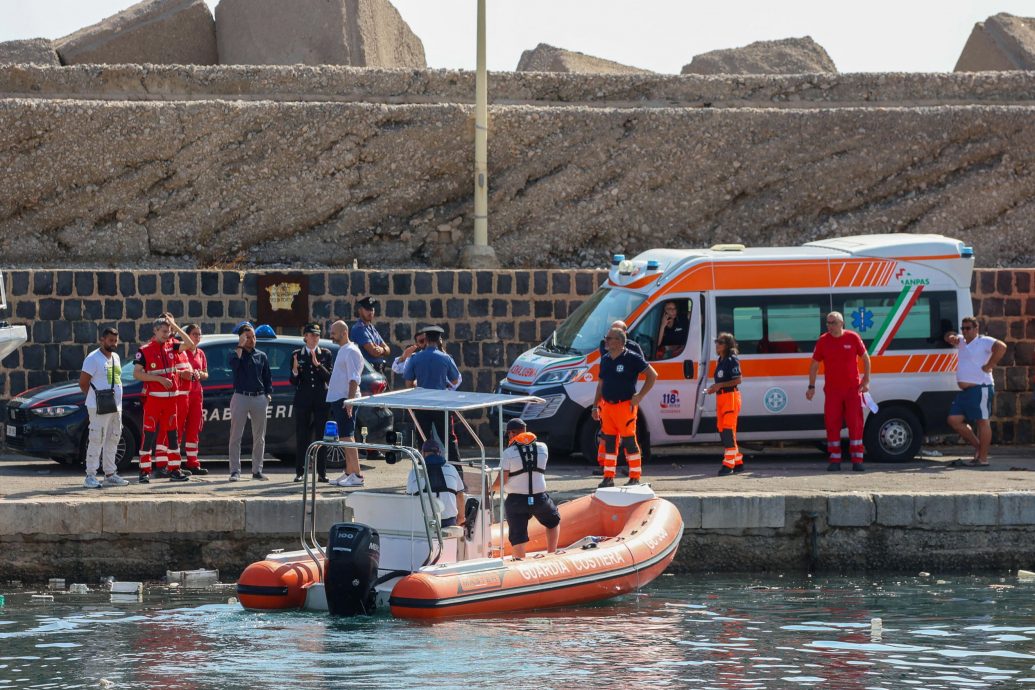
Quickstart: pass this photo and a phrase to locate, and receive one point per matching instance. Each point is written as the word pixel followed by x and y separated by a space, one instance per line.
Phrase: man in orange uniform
pixel 155 366
pixel 617 402
pixel 840 351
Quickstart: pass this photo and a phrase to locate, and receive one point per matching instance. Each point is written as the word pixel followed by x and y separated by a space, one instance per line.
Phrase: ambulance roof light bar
pixel 728 247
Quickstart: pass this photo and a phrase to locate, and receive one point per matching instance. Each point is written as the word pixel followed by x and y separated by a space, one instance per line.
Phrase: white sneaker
pixel 91 482
pixel 337 481
pixel 114 480
pixel 351 480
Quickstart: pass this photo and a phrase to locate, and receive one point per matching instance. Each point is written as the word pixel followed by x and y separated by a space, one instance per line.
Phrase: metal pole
pixel 479 254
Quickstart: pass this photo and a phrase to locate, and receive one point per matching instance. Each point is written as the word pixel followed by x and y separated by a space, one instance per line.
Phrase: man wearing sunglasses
pixel 840 351
pixel 976 356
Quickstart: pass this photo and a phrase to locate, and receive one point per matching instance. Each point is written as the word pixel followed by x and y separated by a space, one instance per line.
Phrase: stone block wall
pixel 490 317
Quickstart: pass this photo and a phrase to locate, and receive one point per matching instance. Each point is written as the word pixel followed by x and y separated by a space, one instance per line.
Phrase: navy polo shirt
pixel 362 333
pixel 431 368
pixel 251 372
pixel 727 369
pixel 619 375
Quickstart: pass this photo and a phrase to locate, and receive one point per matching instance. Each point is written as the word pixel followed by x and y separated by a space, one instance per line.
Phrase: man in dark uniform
pixel 434 369
pixel 366 335
pixel 310 371
pixel 616 404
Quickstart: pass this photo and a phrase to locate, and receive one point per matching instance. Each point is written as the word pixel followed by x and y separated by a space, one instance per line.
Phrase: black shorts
pixel 518 513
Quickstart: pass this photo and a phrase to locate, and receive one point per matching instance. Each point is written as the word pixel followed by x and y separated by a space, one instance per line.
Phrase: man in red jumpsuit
pixel 155 367
pixel 840 350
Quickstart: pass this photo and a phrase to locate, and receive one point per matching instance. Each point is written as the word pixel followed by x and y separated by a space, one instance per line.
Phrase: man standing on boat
pixel 434 369
pixel 523 469
pixel 342 387
pixel 616 404
pixel 840 351
pixel 976 357
pixel 445 481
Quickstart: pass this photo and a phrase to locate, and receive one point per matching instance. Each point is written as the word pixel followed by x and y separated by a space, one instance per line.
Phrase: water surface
pixel 683 631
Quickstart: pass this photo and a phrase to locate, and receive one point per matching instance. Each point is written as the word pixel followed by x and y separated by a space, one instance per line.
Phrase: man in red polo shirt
pixel 840 350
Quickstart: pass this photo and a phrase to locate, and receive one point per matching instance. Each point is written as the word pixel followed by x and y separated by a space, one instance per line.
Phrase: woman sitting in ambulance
pixel 675 326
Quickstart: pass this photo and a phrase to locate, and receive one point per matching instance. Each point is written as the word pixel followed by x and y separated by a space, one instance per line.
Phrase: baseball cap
pixel 516 424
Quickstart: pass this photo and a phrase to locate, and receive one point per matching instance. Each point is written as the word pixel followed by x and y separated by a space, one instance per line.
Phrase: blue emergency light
pixel 330 431
pixel 617 259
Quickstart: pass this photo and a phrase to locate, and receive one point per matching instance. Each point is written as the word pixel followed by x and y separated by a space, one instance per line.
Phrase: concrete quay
pixel 785 513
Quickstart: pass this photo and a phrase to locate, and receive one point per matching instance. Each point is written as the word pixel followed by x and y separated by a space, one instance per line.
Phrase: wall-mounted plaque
pixel 283 299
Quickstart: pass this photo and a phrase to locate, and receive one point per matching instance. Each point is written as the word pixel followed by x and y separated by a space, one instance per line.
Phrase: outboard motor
pixel 353 554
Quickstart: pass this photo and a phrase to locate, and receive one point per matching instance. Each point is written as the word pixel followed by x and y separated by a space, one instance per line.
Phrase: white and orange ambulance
pixel 900 292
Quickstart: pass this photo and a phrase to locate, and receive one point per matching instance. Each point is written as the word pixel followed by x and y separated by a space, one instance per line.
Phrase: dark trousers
pixel 310 416
pixel 429 419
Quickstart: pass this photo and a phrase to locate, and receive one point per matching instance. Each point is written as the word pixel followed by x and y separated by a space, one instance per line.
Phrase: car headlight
pixel 55 411
pixel 559 376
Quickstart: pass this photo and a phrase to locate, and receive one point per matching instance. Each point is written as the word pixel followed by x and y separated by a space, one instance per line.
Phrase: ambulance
pixel 900 292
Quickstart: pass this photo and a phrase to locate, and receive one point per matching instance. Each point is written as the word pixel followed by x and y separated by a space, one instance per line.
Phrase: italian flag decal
pixel 906 299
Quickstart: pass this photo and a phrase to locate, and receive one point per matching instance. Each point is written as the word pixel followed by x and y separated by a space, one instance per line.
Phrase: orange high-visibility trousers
pixel 727 408
pixel 618 424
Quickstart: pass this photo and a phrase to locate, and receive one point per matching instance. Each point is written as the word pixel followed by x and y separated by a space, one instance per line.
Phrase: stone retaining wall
pixel 490 317
pixel 842 533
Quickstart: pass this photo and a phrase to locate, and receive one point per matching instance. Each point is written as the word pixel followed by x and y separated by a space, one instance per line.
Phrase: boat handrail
pixel 432 517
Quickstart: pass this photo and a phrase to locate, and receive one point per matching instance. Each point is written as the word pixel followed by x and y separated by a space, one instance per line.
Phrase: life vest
pixel 528 451
pixel 436 480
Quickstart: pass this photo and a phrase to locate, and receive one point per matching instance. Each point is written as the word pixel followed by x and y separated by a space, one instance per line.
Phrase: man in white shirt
pixel 976 357
pixel 343 386
pixel 523 469
pixel 102 371
pixel 446 484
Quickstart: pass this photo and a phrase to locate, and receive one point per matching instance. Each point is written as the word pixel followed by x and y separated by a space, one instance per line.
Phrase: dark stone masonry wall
pixel 490 317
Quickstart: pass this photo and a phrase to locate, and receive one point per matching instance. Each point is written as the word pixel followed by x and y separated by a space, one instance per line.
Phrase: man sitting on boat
pixel 524 475
pixel 446 484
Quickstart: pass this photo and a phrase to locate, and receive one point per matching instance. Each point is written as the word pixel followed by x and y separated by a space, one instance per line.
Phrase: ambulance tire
pixel 893 434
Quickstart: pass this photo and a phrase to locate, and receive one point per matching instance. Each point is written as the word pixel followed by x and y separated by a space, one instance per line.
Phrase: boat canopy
pixel 441 401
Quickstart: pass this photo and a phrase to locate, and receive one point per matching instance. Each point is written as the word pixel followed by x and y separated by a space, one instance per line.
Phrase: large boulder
pixel 161 32
pixel 32 51
pixel 547 58
pixel 786 56
pixel 360 33
pixel 1001 42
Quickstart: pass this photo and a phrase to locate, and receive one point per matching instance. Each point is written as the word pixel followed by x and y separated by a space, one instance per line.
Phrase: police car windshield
pixel 582 332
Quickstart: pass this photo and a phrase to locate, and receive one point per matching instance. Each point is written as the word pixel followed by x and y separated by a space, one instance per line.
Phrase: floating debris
pixel 192 579
pixel 127 588
pixel 923 573
pixel 876 629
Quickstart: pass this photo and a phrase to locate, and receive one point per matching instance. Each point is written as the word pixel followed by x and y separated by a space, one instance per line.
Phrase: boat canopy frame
pixel 449 403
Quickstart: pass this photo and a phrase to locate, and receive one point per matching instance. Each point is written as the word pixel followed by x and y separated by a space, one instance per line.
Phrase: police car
pixel 51 421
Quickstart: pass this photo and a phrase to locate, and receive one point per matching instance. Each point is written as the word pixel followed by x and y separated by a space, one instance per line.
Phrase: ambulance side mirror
pixel 688 369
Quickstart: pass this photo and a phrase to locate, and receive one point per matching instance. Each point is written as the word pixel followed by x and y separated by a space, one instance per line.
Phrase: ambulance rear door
pixel 670 408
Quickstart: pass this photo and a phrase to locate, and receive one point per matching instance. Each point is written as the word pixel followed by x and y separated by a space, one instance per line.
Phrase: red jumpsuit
pixel 842 400
pixel 193 418
pixel 159 407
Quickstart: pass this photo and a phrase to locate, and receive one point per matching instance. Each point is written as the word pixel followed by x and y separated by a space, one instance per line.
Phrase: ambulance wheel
pixel 893 434
pixel 588 439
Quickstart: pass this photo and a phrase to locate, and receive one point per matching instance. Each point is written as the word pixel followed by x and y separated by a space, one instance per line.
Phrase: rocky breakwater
pixel 320 170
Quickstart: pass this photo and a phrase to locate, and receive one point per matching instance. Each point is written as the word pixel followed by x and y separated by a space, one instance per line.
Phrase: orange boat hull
pixel 635 545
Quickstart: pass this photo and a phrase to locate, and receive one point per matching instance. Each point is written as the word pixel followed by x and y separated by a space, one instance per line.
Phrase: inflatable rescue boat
pixel 613 542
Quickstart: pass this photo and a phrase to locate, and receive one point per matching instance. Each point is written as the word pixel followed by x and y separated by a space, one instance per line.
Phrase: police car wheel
pixel 893 434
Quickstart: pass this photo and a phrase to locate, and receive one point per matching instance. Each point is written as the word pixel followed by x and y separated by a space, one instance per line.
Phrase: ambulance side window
pixel 778 324
pixel 923 326
pixel 662 333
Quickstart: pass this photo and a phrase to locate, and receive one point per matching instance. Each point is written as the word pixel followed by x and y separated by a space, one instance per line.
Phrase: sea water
pixel 700 631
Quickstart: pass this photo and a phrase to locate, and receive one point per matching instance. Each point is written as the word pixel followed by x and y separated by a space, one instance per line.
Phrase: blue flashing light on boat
pixel 330 431
pixel 617 259
pixel 967 252
pixel 653 265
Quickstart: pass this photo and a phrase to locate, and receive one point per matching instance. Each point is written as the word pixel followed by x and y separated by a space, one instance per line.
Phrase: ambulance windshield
pixel 585 328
